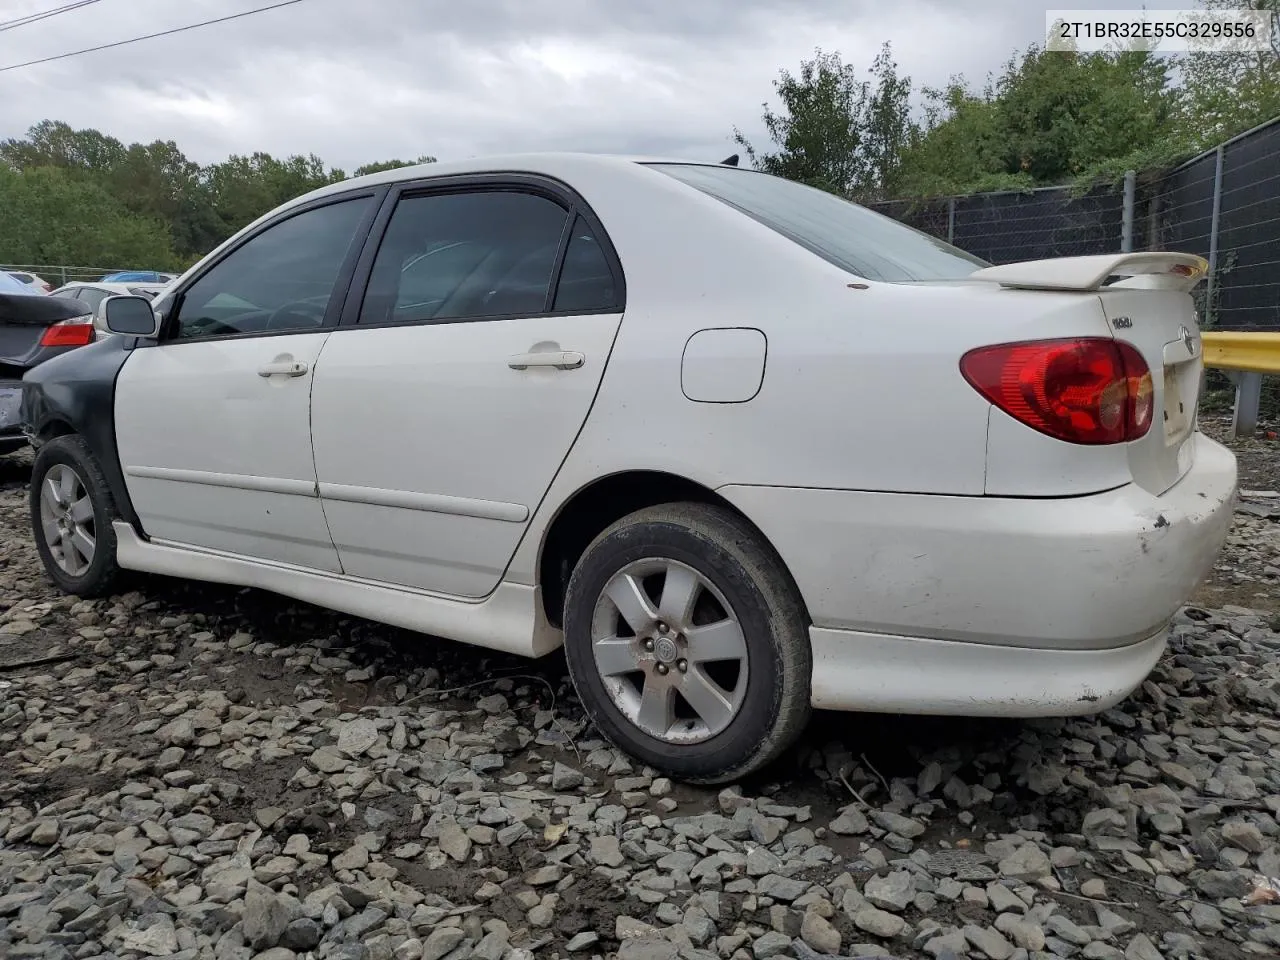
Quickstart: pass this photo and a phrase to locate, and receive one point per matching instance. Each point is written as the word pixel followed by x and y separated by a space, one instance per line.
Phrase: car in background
pixel 34 327
pixel 32 280
pixel 139 276
pixel 93 293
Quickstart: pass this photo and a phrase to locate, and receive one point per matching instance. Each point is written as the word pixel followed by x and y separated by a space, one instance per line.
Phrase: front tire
pixel 72 512
pixel 687 642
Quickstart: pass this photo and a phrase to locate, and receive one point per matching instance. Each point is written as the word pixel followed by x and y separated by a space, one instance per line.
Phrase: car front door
pixel 213 421
pixel 446 401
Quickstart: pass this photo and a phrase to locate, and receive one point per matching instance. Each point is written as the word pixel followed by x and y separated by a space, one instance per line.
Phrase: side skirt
pixel 510 619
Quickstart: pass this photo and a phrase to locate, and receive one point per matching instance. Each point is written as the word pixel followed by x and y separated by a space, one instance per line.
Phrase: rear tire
pixel 72 512
pixel 687 642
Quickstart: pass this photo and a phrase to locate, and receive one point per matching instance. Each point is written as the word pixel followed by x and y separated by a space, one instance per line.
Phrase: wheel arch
pixel 74 393
pixel 593 507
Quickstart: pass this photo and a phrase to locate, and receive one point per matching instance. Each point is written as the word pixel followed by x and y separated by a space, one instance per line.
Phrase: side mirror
pixel 129 316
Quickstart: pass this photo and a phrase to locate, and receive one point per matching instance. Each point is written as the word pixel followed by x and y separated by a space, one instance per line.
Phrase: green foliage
pixel 836 131
pixel 53 216
pixel 82 197
pixel 382 165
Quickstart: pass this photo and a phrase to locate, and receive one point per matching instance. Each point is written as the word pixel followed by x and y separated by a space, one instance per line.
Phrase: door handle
pixel 283 368
pixel 560 359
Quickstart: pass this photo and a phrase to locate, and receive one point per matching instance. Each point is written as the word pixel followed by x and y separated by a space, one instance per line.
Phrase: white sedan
pixel 742 447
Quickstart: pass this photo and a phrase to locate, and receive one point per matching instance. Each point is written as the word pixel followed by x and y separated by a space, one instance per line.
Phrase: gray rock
pixel 850 822
pixel 781 888
pixel 1141 948
pixel 772 944
pixel 647 948
pixel 1004 900
pixel 991 942
pixel 896 823
pixel 454 842
pixel 302 934
pixel 441 941
pixel 153 935
pixel 818 933
pixel 582 941
pixel 357 736
pixel 606 851
pixel 878 922
pixel 894 892
pixel 1024 934
pixel 266 916
pixel 565 778
pixel 1244 836
pixel 1028 862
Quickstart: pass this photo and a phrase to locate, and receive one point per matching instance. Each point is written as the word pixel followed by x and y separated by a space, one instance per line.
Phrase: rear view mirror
pixel 129 316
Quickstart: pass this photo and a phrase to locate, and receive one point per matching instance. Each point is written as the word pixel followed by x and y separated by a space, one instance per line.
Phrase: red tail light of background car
pixel 77 332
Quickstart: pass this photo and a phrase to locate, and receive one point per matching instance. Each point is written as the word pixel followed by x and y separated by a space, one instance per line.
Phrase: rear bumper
pixel 883 674
pixel 1098 572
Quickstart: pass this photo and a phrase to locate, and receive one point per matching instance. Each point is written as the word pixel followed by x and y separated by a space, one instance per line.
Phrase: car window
pixel 280 280
pixel 464 255
pixel 861 241
pixel 586 280
pixel 92 296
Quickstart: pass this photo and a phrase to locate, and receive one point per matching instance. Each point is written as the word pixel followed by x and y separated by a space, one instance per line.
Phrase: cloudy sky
pixel 361 80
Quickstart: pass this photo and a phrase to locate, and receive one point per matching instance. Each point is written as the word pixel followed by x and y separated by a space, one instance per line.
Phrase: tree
pixel 244 188
pixel 1049 117
pixel 1223 94
pixel 382 165
pixel 888 126
pixel 53 216
pixel 819 131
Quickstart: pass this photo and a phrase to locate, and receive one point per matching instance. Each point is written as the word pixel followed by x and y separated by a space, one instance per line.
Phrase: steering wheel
pixel 297 313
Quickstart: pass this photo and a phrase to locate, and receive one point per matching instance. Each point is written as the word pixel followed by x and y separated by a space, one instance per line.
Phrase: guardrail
pixel 1246 357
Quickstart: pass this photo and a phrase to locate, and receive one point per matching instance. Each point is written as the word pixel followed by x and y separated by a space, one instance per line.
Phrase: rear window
pixel 866 243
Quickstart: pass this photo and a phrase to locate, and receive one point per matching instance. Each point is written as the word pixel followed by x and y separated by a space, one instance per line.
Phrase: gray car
pixel 33 328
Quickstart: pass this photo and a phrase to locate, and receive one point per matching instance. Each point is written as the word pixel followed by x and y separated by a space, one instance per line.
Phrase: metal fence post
pixel 951 220
pixel 1126 223
pixel 1211 282
pixel 1244 417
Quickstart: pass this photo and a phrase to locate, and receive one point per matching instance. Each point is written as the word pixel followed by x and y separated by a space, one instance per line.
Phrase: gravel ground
pixel 198 771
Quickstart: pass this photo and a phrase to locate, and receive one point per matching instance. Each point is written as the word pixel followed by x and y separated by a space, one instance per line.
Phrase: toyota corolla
pixel 742 447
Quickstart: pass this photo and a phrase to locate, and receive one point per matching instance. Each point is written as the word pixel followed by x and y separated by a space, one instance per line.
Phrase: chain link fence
pixel 1223 205
pixel 60 274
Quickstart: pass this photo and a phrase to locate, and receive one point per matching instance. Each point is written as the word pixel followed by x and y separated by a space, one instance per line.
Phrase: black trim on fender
pixel 76 393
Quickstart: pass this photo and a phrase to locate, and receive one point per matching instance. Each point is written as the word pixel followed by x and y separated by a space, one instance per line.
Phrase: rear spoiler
pixel 36 310
pixel 1150 271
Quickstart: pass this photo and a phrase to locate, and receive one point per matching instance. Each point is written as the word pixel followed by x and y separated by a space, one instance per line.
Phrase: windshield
pixel 866 243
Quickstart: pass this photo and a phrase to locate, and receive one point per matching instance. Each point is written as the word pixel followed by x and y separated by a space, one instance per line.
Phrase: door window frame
pixel 333 312
pixel 536 184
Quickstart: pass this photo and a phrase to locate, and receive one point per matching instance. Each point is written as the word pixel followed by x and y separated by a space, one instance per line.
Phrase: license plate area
pixel 10 399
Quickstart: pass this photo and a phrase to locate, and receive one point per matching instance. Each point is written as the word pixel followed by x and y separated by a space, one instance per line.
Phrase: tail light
pixel 76 332
pixel 1089 390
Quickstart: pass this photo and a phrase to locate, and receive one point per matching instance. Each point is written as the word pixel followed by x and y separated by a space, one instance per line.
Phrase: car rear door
pixel 213 422
pixel 468 358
